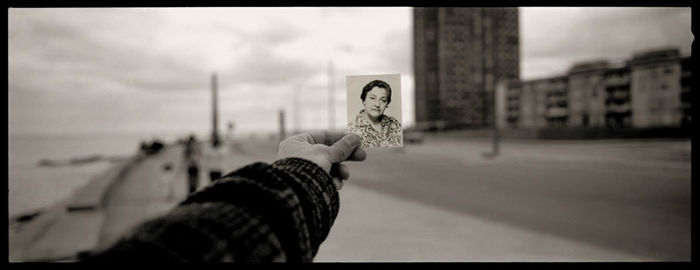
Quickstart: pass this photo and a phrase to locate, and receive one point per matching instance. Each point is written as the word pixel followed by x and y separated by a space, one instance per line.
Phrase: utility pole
pixel 215 117
pixel 484 86
pixel 489 93
pixel 499 114
pixel 295 108
pixel 331 97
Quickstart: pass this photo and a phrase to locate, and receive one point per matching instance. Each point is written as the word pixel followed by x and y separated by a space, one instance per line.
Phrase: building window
pixel 430 35
pixel 656 105
pixel 513 40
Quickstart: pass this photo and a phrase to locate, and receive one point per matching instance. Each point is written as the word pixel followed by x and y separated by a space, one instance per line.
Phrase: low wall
pixel 37 240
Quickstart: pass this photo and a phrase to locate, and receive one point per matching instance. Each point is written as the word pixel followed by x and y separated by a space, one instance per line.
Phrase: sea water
pixel 33 187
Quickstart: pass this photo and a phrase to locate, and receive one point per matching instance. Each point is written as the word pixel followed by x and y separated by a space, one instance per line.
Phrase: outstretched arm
pixel 262 212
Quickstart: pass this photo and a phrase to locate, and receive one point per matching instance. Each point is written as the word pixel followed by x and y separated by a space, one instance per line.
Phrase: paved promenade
pixel 392 211
pixel 148 190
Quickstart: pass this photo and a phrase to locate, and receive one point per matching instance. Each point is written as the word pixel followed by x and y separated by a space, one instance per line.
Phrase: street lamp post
pixel 215 117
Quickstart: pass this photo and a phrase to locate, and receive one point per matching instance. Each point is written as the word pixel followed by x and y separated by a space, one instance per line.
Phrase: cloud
pixel 58 48
pixel 276 34
pixel 263 66
pixel 397 52
pixel 569 35
pixel 149 69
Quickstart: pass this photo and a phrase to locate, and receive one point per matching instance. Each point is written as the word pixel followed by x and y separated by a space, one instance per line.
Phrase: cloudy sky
pixel 147 71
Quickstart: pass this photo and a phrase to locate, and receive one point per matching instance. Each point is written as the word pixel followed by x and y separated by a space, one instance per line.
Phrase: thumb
pixel 343 148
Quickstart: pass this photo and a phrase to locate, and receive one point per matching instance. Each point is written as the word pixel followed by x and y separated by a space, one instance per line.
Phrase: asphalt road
pixel 632 196
pixel 627 195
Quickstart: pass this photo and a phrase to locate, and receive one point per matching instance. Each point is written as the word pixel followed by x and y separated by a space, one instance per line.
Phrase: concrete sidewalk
pixel 145 191
pixel 148 191
pixel 376 227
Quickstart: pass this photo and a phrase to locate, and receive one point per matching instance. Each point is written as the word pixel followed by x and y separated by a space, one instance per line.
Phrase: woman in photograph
pixel 374 127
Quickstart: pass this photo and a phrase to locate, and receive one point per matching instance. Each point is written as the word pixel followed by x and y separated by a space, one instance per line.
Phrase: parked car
pixel 413 137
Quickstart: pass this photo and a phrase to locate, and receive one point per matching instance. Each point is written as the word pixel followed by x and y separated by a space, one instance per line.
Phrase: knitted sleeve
pixel 262 212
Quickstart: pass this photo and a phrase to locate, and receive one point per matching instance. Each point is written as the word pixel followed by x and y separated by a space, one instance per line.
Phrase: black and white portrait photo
pixel 374 109
pixel 350 134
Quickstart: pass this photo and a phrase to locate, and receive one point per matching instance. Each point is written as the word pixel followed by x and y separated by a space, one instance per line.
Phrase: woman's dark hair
pixel 376 83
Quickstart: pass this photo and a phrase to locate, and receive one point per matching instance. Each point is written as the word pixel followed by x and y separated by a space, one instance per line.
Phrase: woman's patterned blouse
pixel 390 135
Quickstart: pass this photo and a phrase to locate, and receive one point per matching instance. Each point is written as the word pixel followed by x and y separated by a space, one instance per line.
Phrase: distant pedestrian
pixel 229 137
pixel 281 211
pixel 229 133
pixel 192 177
pixel 191 159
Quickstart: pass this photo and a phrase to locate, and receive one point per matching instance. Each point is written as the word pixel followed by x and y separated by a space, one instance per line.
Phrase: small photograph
pixel 374 109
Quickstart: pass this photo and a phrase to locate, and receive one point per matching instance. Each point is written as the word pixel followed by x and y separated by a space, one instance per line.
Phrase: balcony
pixel 619 94
pixel 617 80
pixel 557 112
pixel 556 99
pixel 621 108
pixel 617 97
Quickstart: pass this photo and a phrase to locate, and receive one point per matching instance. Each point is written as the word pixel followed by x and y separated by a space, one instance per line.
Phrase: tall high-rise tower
pixel 459 56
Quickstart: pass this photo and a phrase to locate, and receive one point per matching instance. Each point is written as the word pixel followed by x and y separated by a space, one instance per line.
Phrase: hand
pixel 327 150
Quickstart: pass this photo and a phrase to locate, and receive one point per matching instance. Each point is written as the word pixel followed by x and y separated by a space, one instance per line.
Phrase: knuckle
pixel 307 136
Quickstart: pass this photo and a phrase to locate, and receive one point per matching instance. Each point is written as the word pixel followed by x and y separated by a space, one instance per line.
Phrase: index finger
pixel 327 137
pixel 331 137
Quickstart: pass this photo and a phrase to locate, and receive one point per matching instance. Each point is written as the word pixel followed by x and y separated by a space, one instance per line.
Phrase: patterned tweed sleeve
pixel 262 212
